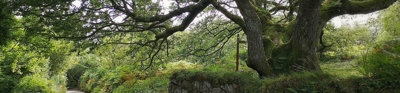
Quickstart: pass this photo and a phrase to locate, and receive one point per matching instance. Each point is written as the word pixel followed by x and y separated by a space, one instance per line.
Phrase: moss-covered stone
pixel 205 80
pixel 219 81
pixel 281 59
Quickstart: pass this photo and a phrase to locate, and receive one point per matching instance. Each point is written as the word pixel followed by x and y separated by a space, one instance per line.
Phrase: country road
pixel 74 91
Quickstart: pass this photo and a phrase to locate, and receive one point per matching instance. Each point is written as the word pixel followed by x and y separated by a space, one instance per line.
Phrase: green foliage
pixel 107 80
pixel 305 82
pixel 344 70
pixel 31 61
pixel 347 43
pixel 336 77
pixel 248 81
pixel 29 58
pixel 33 83
pixel 7 82
pixel 59 60
pixel 17 61
pixel 129 78
pixel 281 60
pixel 22 69
pixel 6 23
pixel 58 83
pixel 80 65
pixel 36 83
pixel 149 85
pixel 89 79
pixel 390 19
pixel 176 66
pixel 382 64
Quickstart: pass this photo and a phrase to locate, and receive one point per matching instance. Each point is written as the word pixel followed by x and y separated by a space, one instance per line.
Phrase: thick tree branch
pixel 185 23
pixel 160 18
pixel 221 44
pixel 330 9
pixel 155 54
pixel 256 53
pixel 91 34
pixel 278 8
pixel 130 43
pixel 238 20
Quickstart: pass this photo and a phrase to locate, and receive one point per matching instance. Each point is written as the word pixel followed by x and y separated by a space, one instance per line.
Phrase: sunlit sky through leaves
pixel 344 20
pixel 350 20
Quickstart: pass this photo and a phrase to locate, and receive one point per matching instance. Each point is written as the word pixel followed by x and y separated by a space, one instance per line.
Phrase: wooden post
pixel 237 53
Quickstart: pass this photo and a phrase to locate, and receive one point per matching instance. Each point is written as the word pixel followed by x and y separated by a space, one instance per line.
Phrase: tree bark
pixel 256 54
pixel 300 53
pixel 312 19
pixel 305 36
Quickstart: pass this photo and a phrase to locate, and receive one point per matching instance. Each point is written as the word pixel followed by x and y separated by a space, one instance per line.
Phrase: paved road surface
pixel 74 91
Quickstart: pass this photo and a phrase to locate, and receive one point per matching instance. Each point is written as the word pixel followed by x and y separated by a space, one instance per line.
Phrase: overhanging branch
pixel 185 23
pixel 238 20
pixel 160 18
pixel 331 9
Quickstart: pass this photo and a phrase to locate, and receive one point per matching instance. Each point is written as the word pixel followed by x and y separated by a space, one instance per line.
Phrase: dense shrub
pixel 121 80
pixel 58 83
pixel 26 68
pixel 80 66
pixel 149 85
pixel 176 66
pixel 304 82
pixel 33 83
pixel 128 78
pixel 59 60
pixel 36 83
pixel 301 82
pixel 7 83
pixel 345 43
pixel 248 81
pixel 383 65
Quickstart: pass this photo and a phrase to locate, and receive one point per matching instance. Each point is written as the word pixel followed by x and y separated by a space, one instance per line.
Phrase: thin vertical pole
pixel 237 53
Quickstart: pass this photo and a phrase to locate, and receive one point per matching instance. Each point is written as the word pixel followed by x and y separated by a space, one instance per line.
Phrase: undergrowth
pixel 335 77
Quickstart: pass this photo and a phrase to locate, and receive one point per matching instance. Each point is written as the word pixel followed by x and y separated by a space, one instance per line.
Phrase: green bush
pixel 345 43
pixel 123 79
pixel 149 85
pixel 104 80
pixel 58 83
pixel 59 60
pixel 248 81
pixel 83 63
pixel 304 82
pixel 7 83
pixel 180 65
pixel 89 80
pixel 382 65
pixel 33 83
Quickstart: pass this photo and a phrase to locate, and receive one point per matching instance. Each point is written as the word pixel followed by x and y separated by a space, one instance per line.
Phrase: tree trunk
pixel 305 36
pixel 300 53
pixel 256 54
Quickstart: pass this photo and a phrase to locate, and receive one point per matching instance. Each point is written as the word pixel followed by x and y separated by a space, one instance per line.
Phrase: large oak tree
pixel 301 21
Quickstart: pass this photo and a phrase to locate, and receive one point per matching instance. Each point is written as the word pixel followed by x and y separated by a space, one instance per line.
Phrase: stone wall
pixel 213 82
pixel 186 86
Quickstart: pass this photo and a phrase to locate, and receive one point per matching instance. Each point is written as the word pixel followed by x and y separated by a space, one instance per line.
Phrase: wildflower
pixel 387 46
pixel 376 50
pixel 394 57
pixel 363 84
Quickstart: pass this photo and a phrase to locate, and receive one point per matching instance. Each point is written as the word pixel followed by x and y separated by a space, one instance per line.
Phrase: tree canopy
pixel 268 25
pixel 121 41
